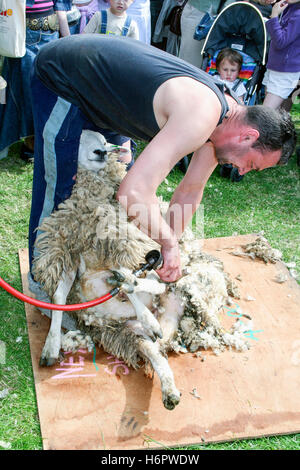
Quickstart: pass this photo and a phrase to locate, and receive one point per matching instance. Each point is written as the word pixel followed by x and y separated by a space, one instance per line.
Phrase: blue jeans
pixel 16 119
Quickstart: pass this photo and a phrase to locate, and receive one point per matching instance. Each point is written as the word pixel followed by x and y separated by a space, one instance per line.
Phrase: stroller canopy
pixel 239 26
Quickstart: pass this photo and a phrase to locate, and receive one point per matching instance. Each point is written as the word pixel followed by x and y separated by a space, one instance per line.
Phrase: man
pixel 142 92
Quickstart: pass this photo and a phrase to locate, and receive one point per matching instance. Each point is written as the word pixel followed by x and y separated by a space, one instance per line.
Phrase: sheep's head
pixel 93 149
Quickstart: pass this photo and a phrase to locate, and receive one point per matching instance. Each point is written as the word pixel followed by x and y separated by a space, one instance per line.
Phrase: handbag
pixel 174 18
pixel 12 28
pixel 206 22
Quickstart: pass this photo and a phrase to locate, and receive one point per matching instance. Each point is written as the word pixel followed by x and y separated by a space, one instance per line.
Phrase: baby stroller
pixel 239 26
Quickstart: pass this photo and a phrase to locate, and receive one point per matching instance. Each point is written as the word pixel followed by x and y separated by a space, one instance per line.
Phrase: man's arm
pixel 188 194
pixel 137 193
pixel 184 203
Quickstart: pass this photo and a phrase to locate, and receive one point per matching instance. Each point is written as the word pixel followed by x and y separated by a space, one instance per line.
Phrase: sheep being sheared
pixel 88 239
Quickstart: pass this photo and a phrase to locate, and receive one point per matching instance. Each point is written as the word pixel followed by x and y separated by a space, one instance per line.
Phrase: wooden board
pixel 93 401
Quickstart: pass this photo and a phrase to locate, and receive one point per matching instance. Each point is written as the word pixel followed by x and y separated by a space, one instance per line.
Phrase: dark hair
pixel 231 55
pixel 276 130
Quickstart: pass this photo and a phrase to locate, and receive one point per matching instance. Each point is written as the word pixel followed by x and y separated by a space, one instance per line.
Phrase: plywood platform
pixel 94 401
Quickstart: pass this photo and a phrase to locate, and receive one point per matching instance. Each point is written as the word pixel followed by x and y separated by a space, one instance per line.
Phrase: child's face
pixel 228 70
pixel 118 7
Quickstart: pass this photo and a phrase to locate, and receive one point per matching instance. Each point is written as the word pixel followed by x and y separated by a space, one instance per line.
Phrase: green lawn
pixel 268 201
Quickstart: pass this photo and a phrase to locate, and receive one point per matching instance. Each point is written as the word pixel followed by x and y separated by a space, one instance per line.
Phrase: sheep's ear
pixel 112 148
pixel 118 150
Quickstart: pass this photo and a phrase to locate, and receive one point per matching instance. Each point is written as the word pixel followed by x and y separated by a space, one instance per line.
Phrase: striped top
pixel 40 8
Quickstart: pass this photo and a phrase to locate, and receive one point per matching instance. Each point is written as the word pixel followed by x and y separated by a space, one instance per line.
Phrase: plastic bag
pixel 204 26
pixel 12 28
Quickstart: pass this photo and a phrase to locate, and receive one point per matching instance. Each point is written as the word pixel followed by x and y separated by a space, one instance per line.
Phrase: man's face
pixel 249 159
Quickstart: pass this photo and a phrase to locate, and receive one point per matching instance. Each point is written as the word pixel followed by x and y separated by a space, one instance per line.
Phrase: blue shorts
pixel 57 128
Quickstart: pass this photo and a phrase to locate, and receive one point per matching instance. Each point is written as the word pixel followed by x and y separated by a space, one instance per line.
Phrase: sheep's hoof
pixel 154 335
pixel 170 401
pixel 47 361
pixel 117 276
pixel 153 329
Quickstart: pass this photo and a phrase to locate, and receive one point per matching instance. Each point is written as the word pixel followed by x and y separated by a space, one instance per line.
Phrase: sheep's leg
pixel 169 319
pixel 50 353
pixel 131 285
pixel 150 285
pixel 170 394
pixel 147 319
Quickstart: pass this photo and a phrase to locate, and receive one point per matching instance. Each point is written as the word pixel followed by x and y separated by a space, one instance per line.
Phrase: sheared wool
pixel 260 248
pixel 74 340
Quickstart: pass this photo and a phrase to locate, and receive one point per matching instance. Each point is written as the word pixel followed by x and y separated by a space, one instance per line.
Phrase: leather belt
pixel 45 23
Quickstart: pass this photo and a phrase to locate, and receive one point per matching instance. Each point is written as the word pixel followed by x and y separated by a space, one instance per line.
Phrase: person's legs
pixel 273 101
pixel 279 86
pixel 190 48
pixel 35 40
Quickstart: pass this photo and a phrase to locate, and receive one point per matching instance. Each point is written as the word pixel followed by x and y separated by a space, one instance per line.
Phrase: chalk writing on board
pixel 71 369
pixel 236 312
pixel 116 363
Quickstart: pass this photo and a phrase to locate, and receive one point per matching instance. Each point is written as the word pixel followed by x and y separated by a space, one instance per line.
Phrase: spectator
pixel 229 63
pixel 193 12
pixel 162 37
pixel 16 120
pixel 283 67
pixel 140 12
pixel 114 20
pixel 264 6
pixel 155 9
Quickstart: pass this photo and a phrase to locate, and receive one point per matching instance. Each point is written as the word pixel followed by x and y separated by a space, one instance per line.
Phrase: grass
pixel 267 201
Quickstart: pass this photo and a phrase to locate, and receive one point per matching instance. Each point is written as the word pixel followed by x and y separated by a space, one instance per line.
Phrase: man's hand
pixel 171 269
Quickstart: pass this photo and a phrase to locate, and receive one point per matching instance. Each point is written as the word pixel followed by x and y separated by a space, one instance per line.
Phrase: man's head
pixel 262 138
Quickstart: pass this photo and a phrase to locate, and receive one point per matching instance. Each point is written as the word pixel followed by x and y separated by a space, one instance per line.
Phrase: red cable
pixel 47 305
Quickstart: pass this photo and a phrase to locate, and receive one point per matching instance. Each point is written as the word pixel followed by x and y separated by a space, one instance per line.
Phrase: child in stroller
pixel 228 64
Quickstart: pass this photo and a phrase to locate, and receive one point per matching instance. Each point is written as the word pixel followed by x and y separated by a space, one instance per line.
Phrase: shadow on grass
pixel 13 163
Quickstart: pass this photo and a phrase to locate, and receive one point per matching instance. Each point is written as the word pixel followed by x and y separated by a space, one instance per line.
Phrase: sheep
pixel 89 242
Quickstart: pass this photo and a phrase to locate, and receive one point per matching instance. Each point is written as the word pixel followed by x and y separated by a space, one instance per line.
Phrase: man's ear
pixel 249 135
